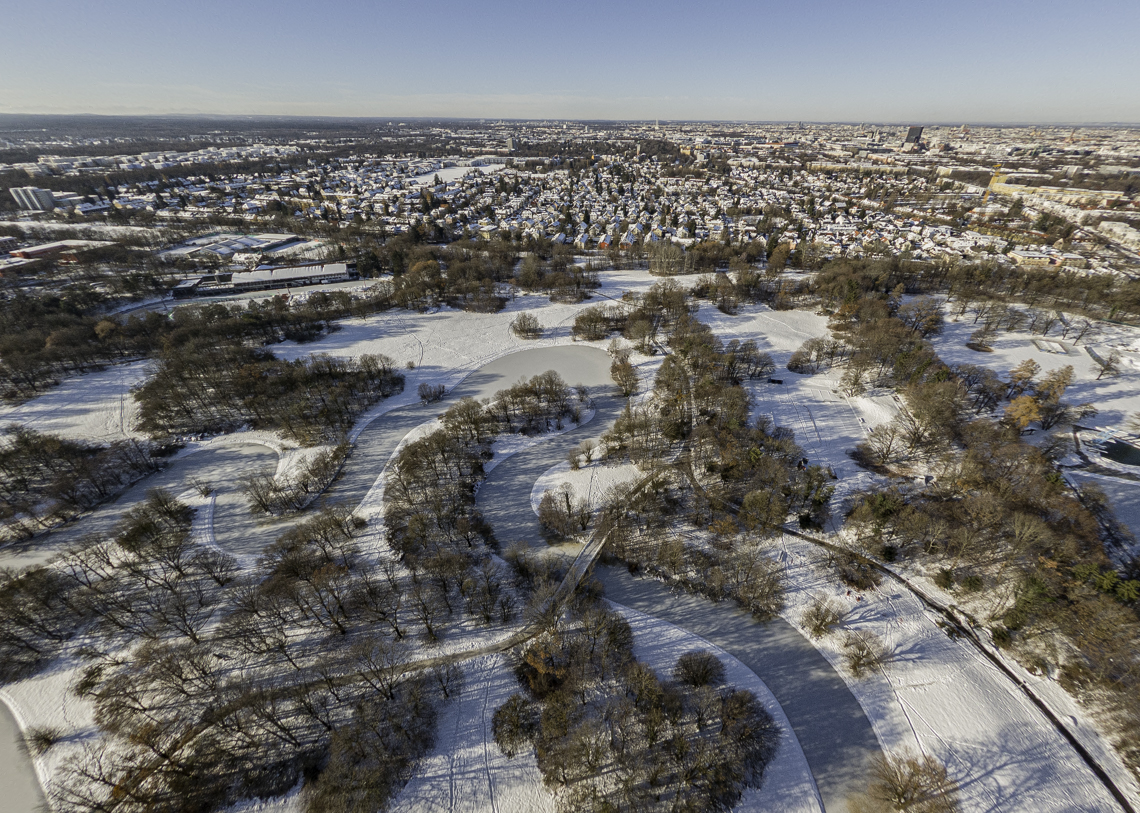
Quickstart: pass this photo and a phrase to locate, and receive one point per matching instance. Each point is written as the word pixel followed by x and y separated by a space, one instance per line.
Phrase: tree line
pixel 206 387
pixel 995 517
pixel 46 479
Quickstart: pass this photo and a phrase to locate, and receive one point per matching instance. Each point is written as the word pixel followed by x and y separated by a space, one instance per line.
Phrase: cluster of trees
pixel 54 335
pixel 561 278
pixel 429 499
pixel 668 259
pixel 561 514
pixel 269 494
pixel 715 468
pixel 213 685
pixel 941 410
pixel 206 386
pixel 907 783
pixel 736 463
pixel 149 580
pixel 526 326
pixel 616 736
pixel 1100 296
pixel 998 516
pixel 45 479
pixel 466 274
pixel 884 341
pixel 641 318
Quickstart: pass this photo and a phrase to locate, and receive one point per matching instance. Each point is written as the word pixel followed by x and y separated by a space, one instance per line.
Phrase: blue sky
pixel 818 60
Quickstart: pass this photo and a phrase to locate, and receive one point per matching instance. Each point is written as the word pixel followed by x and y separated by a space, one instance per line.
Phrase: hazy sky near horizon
pixel 818 60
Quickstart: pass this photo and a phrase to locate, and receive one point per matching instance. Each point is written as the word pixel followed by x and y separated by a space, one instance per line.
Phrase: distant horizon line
pixel 485 119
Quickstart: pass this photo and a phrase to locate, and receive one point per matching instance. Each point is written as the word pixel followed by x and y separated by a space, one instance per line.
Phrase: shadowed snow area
pixel 94 407
pixel 467 772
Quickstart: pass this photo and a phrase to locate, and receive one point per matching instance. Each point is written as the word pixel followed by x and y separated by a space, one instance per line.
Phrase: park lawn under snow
pixel 95 407
pixel 939 696
pixel 591 483
pixel 1115 398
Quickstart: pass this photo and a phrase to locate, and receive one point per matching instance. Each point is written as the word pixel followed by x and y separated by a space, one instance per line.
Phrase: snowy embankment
pixel 291 458
pixel 938 695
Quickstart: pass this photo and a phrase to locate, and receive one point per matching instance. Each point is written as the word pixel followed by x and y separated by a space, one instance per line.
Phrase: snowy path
pixel 467 773
pixel 834 732
pixel 788 785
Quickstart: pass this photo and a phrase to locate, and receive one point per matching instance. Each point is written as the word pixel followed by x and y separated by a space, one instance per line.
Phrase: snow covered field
pixel 449 174
pixel 96 407
pixel 939 696
pixel 591 483
pixel 1114 398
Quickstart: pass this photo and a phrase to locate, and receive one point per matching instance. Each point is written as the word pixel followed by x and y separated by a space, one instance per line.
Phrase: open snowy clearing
pixel 827 424
pixel 449 174
pixel 1114 398
pixel 939 696
pixel 590 483
pixel 94 407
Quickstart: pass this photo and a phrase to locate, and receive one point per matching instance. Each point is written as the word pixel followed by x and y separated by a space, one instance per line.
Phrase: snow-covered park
pixel 939 696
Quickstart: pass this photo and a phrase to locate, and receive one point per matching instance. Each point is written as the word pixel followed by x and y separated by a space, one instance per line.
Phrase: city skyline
pixel 884 61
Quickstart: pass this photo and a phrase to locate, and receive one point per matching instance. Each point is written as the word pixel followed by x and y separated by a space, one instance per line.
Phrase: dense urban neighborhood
pixel 560 465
